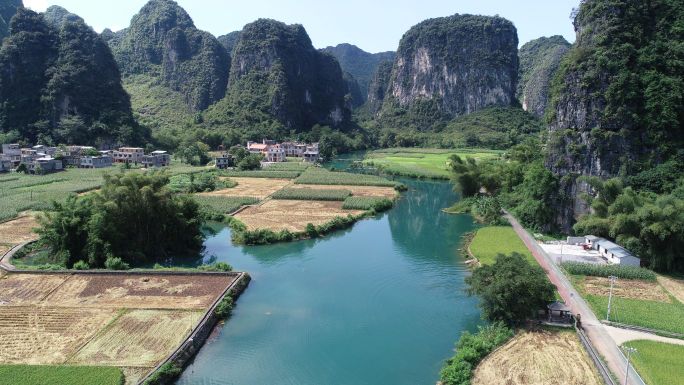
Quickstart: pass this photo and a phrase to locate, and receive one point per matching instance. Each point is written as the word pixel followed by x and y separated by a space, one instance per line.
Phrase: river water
pixel 380 303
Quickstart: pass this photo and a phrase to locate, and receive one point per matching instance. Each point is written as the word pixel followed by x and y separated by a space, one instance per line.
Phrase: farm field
pixel 259 188
pixel 494 240
pixel 358 191
pixel 223 204
pixel 425 163
pixel 72 375
pixel 315 175
pixel 128 321
pixel 658 363
pixel 17 231
pixel 538 358
pixel 635 302
pixel 674 286
pixel 293 215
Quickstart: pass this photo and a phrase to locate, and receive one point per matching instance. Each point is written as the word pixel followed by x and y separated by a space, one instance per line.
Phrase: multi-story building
pixel 101 161
pixel 156 159
pixel 43 165
pixel 129 155
pixel 11 153
pixel 224 161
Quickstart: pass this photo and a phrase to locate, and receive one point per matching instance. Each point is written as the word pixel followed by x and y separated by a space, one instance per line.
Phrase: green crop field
pixel 288 166
pixel 311 194
pixel 494 240
pixel 663 316
pixel 367 203
pixel 659 363
pixel 322 176
pixel 277 174
pixel 421 163
pixel 60 375
pixel 223 204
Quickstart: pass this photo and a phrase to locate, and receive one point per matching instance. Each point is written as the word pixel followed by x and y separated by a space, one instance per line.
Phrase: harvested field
pixel 292 215
pixel 44 335
pixel 140 291
pixel 134 375
pixel 20 289
pixel 538 358
pixel 139 338
pixel 632 289
pixel 674 286
pixel 360 191
pixel 18 230
pixel 251 187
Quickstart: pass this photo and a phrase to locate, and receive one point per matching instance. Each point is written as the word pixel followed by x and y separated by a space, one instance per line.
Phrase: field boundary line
pixel 68 277
pixel 120 313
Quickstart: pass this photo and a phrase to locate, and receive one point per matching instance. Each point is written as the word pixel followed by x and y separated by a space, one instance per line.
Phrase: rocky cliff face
pixel 163 42
pixel 59 82
pixel 359 63
pixel 455 65
pixel 378 86
pixel 278 77
pixel 616 104
pixel 7 9
pixel 228 41
pixel 539 61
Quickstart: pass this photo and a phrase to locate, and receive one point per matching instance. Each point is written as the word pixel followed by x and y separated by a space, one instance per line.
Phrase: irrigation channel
pixel 380 303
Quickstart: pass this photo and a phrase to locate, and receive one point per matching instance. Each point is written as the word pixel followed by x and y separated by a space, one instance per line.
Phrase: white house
pixel 614 253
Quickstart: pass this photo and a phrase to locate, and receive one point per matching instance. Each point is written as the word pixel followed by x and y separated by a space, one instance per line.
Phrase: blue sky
pixel 373 25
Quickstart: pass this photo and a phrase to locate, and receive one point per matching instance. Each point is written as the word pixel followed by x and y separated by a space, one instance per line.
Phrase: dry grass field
pixel 538 358
pixel 125 320
pixel 632 289
pixel 674 286
pixel 252 187
pixel 292 215
pixel 17 231
pixel 360 191
pixel 139 338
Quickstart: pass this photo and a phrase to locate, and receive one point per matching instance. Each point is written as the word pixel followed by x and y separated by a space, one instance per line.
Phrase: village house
pixel 614 253
pixel 279 152
pixel 272 151
pixel 224 161
pixel 101 161
pixel 44 164
pixel 5 165
pixel 129 155
pixel 156 159
pixel 11 153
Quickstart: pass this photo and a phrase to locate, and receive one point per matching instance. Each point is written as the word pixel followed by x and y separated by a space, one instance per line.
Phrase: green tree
pixel 511 290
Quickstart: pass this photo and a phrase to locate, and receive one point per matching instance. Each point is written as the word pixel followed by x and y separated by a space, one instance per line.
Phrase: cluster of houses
pixel 610 251
pixel 275 152
pixel 42 159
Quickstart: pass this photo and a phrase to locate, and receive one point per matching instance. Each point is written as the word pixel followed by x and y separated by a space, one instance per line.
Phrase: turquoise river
pixel 380 303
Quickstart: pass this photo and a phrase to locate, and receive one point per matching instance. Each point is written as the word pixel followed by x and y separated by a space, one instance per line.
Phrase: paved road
pixel 594 329
pixel 622 335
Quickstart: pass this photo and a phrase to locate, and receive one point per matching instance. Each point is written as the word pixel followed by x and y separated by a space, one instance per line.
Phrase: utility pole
pixel 629 350
pixel 612 279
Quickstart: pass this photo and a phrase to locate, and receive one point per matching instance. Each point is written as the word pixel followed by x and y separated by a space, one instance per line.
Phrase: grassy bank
pixel 60 375
pixel 658 363
pixel 421 163
pixel 491 241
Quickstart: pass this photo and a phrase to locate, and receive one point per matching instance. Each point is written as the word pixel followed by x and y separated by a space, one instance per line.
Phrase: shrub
pixel 225 307
pixel 620 271
pixel 165 374
pixel 116 263
pixel 218 266
pixel 81 265
pixel 470 350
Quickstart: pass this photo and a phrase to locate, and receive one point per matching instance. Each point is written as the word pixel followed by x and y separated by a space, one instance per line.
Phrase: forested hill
pixel 59 83
pixel 7 9
pixel 539 61
pixel 280 83
pixel 360 64
pixel 617 106
pixel 163 43
pixel 451 66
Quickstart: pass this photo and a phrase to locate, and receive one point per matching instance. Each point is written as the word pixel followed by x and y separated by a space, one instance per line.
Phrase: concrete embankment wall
pixel 194 342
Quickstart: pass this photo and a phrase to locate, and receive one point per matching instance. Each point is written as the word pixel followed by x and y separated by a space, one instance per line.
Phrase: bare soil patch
pixel 674 286
pixel 19 230
pixel 28 289
pixel 360 191
pixel 252 187
pixel 632 289
pixel 139 338
pixel 43 335
pixel 538 358
pixel 140 291
pixel 292 215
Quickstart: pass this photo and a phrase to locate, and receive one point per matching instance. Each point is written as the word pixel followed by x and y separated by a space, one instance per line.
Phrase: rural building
pixel 613 252
pixel 278 152
pixel 43 165
pixel 558 312
pixel 129 155
pixel 12 152
pixel 156 159
pixel 225 161
pixel 294 149
pixel 101 161
pixel 6 165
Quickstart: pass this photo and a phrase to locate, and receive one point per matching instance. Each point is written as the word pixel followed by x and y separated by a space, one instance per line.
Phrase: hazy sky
pixel 373 25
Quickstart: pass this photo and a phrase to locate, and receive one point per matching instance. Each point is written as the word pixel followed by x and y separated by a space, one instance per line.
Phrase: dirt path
pixel 620 336
pixel 595 330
